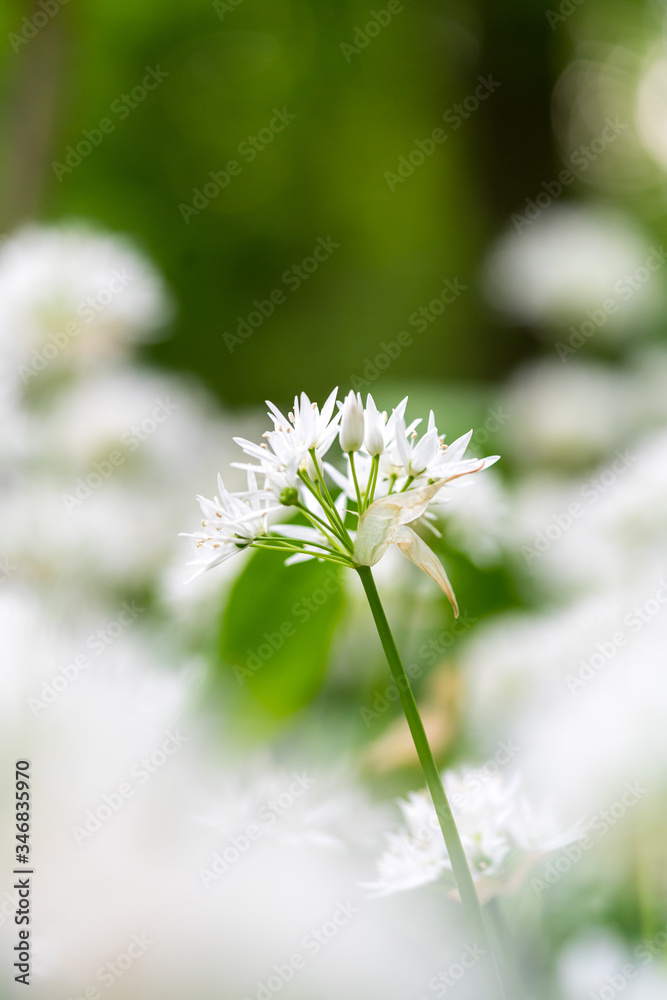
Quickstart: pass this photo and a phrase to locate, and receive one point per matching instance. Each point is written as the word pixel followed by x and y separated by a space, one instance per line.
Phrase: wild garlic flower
pixel 350 517
pixel 502 833
pixel 231 523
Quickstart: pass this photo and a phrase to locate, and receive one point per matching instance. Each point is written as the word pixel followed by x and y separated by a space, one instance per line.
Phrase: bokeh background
pixel 206 205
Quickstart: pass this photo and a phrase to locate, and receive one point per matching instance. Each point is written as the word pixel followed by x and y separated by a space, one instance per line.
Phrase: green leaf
pixel 277 628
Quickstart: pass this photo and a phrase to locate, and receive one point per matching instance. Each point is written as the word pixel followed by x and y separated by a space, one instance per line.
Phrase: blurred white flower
pixel 571 260
pixel 121 763
pixel 651 110
pixel 582 690
pixel 569 415
pixel 501 832
pixel 600 964
pixel 603 533
pixel 70 294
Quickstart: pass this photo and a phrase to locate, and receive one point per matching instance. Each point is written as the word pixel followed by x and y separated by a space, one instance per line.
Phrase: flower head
pixel 231 523
pixel 392 478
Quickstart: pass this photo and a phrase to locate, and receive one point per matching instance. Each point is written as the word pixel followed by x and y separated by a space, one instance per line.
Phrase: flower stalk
pixel 460 867
pixel 404 474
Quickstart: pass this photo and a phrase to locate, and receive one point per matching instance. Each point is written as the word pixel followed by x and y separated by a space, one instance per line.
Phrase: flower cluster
pixel 393 475
pixel 502 834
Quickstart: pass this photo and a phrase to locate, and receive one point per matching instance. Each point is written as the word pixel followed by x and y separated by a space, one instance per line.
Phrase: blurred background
pixel 204 206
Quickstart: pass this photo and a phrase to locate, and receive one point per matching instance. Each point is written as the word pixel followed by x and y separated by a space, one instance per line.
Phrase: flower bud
pixel 312 469
pixel 373 429
pixel 352 423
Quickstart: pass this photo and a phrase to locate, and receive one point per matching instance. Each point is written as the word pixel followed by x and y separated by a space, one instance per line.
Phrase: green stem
pixel 360 506
pixel 372 481
pixel 506 948
pixel 320 525
pixel 308 483
pixel 459 862
pixel 276 545
pixel 344 536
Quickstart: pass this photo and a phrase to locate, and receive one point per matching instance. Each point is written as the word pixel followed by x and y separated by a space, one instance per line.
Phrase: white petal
pixel 418 552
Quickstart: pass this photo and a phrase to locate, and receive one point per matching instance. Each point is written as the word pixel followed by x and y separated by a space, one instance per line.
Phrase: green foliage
pixel 277 629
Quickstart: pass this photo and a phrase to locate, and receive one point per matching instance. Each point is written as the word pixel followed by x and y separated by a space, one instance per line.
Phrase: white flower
pixel 352 423
pixel 374 428
pixel 286 449
pixel 429 457
pixel 502 835
pixel 417 456
pixel 231 523
pixel 306 427
pixel 569 261
pixel 602 408
pixel 291 462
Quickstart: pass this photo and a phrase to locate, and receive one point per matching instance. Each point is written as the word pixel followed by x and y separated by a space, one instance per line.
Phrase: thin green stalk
pixel 321 526
pixel 345 538
pixel 274 543
pixel 305 479
pixel 506 948
pixel 356 483
pixel 462 874
pixel 372 481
